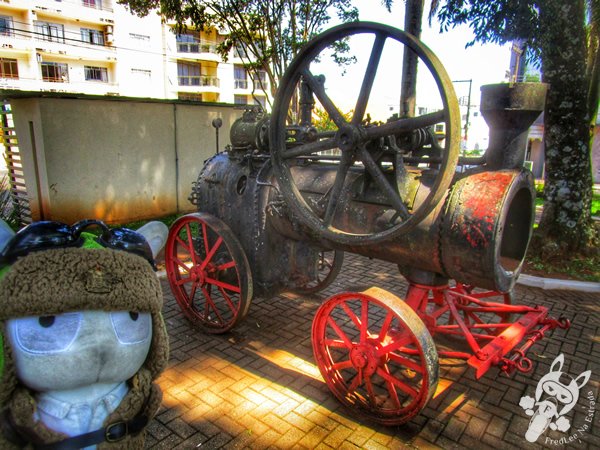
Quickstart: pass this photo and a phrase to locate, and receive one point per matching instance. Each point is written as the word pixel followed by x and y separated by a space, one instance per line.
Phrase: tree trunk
pixel 566 225
pixel 413 17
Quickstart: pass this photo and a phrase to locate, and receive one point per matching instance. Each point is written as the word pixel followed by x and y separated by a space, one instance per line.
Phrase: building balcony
pixel 85 51
pixel 19 84
pixel 202 80
pixel 13 43
pixel 196 47
pixel 83 87
pixel 240 84
pixel 189 51
pixel 198 84
pixel 261 85
pixel 102 5
pixel 86 11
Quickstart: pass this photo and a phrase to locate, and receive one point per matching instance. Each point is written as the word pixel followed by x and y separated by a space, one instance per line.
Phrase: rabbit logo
pixel 556 394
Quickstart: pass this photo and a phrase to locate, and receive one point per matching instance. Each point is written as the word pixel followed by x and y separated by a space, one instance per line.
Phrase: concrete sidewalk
pixel 257 387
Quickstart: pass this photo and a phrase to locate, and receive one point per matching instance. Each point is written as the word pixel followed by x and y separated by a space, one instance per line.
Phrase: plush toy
pixel 83 336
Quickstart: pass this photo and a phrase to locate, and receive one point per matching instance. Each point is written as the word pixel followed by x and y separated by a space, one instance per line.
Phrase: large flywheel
pixel 355 143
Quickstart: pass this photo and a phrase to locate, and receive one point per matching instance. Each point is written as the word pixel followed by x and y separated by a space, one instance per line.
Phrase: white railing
pixel 198 80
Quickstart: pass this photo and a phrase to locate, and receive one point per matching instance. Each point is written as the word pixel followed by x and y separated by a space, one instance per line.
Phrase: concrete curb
pixel 551 284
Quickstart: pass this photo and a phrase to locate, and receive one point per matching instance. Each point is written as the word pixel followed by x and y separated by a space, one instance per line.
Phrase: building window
pixel 188 74
pixel 188 43
pixel 96 74
pixel 141 40
pixel 9 68
pixel 90 36
pixel 260 80
pixel 55 72
pixel 6 26
pixel 240 52
pixel 240 77
pixel 92 3
pixel 47 31
pixel 189 96
pixel 240 99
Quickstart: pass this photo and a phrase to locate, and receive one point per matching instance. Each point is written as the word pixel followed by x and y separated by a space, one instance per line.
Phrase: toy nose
pixel 99 331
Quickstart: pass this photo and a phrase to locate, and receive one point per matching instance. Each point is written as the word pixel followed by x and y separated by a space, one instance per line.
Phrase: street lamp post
pixel 468 105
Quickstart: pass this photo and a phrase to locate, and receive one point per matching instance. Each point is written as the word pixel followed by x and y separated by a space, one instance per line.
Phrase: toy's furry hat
pixel 59 280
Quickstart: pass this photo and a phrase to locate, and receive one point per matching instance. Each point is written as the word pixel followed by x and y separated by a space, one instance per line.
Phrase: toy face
pixel 70 350
pixel 560 387
pixel 563 394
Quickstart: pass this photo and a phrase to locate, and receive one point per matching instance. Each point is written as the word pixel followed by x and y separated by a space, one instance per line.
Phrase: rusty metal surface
pixel 509 110
pixel 487 227
pixel 235 189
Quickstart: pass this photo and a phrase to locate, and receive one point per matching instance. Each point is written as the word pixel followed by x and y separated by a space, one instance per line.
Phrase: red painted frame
pixel 491 344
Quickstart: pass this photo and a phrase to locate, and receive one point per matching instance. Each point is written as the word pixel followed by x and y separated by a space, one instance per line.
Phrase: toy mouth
pixel 547 407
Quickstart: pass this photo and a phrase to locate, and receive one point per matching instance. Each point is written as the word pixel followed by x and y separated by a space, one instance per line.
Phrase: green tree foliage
pixel 563 37
pixel 323 122
pixel 270 32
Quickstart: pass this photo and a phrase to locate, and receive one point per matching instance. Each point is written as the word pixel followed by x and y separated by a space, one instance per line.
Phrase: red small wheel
pixel 328 266
pixel 208 272
pixel 375 355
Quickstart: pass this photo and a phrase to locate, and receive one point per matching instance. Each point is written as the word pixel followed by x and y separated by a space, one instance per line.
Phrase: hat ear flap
pixel 155 233
pixel 8 376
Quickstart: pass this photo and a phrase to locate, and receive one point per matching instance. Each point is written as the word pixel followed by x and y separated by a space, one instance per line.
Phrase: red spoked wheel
pixel 375 355
pixel 328 266
pixel 208 272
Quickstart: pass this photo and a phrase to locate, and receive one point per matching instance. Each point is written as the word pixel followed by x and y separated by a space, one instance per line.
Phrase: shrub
pixel 539 188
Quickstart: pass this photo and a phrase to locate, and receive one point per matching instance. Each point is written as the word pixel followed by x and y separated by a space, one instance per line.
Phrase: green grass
pixel 583 269
pixel 167 220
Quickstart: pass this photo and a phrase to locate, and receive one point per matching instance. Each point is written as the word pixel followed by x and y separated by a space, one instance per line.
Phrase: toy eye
pixel 550 389
pixel 46 334
pixel 131 327
pixel 47 321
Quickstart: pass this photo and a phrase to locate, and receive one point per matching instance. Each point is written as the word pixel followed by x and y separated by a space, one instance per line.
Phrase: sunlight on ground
pixel 442 386
pixel 456 404
pixel 285 360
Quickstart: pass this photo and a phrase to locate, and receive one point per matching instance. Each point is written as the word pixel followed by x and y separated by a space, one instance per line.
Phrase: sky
pixel 484 64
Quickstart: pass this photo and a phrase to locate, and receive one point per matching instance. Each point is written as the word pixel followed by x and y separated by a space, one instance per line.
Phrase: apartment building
pixel 98 47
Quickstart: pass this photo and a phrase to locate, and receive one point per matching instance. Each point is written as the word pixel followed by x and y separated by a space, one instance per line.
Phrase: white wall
pixel 114 160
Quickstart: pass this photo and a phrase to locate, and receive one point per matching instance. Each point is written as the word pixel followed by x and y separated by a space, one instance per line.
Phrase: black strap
pixel 111 433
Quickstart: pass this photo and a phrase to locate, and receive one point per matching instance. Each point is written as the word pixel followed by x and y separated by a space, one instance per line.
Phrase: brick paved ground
pixel 257 387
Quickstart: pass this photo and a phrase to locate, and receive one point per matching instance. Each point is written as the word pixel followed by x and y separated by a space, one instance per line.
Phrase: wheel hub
pixel 348 137
pixel 364 357
pixel 198 275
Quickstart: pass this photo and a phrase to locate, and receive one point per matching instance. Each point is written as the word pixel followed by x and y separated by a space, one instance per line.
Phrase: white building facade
pixel 98 47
